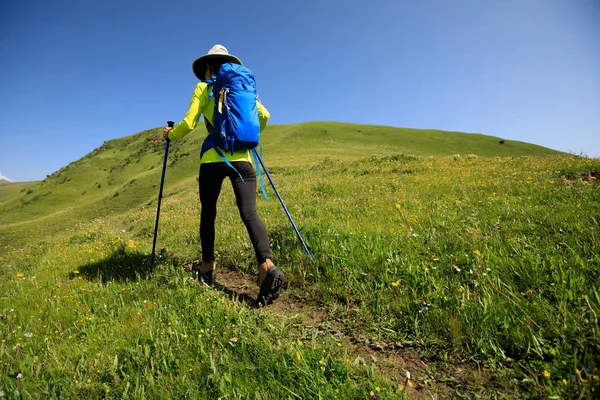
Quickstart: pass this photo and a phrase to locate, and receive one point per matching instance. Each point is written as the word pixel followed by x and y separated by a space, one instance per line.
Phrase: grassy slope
pixel 126 172
pixel 475 263
pixel 316 140
pixel 472 262
pixel 119 174
pixel 9 190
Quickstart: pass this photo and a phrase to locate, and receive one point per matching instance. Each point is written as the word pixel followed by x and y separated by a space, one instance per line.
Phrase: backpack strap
pixel 228 163
pixel 210 84
pixel 209 143
pixel 260 178
pixel 222 108
pixel 256 163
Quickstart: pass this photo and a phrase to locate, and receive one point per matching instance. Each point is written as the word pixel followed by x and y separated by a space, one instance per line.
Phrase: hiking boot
pixel 208 277
pixel 270 287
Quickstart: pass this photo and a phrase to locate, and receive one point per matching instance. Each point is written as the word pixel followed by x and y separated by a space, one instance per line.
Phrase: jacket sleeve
pixel 191 117
pixel 263 115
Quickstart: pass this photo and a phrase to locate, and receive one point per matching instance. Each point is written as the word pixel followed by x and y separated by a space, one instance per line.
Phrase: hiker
pixel 215 166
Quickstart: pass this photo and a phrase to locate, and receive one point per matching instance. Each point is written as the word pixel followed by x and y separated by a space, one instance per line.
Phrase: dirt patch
pixel 592 177
pixel 398 366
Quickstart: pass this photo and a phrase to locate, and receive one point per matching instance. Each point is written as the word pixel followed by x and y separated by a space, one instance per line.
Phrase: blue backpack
pixel 235 118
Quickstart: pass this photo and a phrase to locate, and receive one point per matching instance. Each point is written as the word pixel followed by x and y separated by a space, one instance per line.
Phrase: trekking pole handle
pixel 170 125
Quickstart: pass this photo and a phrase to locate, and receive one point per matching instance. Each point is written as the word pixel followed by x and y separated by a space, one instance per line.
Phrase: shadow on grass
pixel 123 265
pixel 225 281
pixel 236 296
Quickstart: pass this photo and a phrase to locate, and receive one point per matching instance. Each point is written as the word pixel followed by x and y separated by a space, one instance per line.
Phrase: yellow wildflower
pixel 20 275
pixel 477 252
pixel 546 374
pixel 396 284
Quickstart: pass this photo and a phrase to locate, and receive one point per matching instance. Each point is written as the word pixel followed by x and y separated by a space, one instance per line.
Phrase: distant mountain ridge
pixel 4 178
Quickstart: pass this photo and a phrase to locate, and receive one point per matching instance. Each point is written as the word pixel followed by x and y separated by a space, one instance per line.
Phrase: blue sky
pixel 77 73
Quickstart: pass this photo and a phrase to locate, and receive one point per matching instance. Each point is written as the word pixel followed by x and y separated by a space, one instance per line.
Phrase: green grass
pixel 104 330
pixel 9 190
pixel 487 264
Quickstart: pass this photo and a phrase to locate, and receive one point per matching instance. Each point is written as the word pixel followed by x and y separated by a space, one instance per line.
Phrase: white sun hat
pixel 216 52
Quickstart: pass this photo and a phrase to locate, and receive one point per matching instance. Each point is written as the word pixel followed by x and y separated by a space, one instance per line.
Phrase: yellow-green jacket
pixel 201 105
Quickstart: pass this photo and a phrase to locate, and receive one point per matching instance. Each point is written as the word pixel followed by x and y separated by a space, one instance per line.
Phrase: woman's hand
pixel 166 131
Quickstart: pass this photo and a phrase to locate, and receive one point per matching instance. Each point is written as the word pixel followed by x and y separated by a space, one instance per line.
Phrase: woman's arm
pixel 263 115
pixel 191 117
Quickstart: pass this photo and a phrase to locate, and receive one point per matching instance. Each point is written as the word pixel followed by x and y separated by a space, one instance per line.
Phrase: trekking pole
pixel 162 181
pixel 283 205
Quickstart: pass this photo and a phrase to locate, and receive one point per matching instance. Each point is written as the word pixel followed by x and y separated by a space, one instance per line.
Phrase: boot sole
pixel 271 287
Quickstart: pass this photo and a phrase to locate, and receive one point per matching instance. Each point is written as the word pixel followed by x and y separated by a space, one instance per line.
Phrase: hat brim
pixel 199 66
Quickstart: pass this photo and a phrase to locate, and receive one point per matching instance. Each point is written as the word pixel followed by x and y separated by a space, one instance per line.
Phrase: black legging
pixel 209 182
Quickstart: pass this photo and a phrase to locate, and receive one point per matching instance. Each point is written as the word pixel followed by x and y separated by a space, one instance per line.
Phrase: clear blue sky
pixel 75 73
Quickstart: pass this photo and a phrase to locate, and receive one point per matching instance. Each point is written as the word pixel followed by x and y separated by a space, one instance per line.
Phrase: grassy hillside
pixel 125 172
pixel 478 275
pixel 470 264
pixel 317 140
pixel 9 190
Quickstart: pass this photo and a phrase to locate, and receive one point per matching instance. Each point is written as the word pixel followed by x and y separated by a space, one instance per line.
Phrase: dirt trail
pixel 430 380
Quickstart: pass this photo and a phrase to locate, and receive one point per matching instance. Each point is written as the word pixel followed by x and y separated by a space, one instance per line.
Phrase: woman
pixel 213 170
